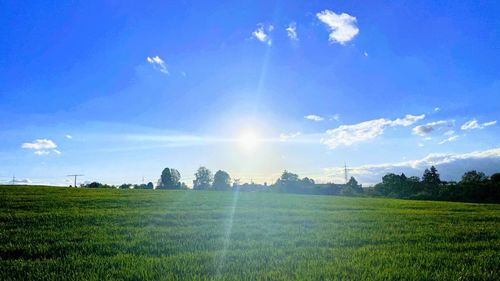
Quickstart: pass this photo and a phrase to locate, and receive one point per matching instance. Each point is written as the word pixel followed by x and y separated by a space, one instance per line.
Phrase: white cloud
pixel 365 54
pixel 285 137
pixel 436 109
pixel 450 139
pixel 451 166
pixel 473 124
pixel 342 27
pixel 292 31
pixel 158 63
pixel 491 123
pixel 424 130
pixel 407 120
pixel 449 133
pixel 364 131
pixel 470 125
pixel 261 35
pixel 69 137
pixel 335 117
pixel 313 117
pixel 39 144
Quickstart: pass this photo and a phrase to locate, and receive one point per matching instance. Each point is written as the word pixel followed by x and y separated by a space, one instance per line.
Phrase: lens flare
pixel 248 140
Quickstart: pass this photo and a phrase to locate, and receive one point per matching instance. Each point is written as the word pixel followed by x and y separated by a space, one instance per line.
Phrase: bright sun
pixel 248 139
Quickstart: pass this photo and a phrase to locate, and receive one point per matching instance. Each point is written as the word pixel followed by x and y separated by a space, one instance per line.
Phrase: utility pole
pixel 13 179
pixel 75 177
pixel 345 173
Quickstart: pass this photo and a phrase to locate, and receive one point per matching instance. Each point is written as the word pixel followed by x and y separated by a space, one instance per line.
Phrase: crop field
pixel 50 233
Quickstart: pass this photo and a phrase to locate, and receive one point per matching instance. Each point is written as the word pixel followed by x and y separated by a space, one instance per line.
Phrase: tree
pixel 150 185
pixel 222 180
pixel 94 185
pixel 125 186
pixel 287 178
pixel 203 179
pixel 307 182
pixel 473 177
pixel 290 182
pixel 353 184
pixel 169 179
pixel 431 177
pixel 144 186
pixel 495 178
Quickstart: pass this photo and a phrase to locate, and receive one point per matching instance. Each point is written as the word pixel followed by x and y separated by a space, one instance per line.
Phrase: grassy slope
pixel 53 233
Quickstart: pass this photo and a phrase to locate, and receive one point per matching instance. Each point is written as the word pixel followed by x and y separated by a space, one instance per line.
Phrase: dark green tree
pixel 169 179
pixel 495 178
pixel 125 186
pixel 353 184
pixel 473 177
pixel 431 182
pixel 94 185
pixel 203 179
pixel 222 180
pixel 431 177
pixel 150 185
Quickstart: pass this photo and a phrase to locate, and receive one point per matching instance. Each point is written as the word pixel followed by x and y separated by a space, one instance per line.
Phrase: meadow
pixel 54 233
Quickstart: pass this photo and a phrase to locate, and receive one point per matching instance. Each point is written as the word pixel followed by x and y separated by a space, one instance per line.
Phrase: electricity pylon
pixel 345 173
pixel 75 177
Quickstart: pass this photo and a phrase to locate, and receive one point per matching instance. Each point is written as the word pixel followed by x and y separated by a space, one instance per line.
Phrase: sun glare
pixel 248 140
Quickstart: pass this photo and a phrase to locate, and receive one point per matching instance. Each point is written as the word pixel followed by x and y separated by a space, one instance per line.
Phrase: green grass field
pixel 50 233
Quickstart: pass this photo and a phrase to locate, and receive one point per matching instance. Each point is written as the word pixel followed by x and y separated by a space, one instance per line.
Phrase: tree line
pixel 473 187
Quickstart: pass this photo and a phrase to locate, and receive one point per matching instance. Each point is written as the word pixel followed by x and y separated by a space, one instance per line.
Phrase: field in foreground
pixel 50 233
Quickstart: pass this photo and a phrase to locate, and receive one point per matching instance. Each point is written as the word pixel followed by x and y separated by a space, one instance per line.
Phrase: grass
pixel 50 233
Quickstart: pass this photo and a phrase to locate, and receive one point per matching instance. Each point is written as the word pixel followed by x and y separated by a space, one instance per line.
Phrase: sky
pixel 117 91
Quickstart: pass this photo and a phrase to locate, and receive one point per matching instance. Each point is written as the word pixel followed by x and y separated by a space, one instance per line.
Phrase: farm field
pixel 53 233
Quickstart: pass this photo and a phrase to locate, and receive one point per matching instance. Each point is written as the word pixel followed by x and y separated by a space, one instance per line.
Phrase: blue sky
pixel 118 91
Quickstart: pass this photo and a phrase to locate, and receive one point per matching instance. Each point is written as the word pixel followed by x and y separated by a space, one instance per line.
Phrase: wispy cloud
pixel 364 131
pixel 449 133
pixel 262 33
pixel 342 27
pixel 313 117
pixel 292 31
pixel 286 137
pixel 69 137
pixel 450 166
pixel 335 117
pixel 473 124
pixel 158 63
pixel 450 139
pixel 491 123
pixel 424 130
pixel 41 146
pixel 17 181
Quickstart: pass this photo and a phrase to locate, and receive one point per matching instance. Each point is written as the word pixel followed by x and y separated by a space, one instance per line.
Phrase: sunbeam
pixel 228 226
